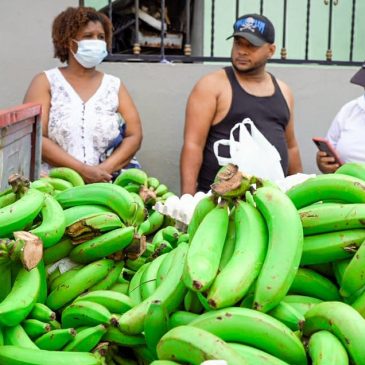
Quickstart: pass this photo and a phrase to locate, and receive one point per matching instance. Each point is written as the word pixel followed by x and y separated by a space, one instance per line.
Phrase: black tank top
pixel 270 114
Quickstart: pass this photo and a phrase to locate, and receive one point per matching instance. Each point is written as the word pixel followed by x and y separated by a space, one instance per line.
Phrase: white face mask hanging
pixel 90 52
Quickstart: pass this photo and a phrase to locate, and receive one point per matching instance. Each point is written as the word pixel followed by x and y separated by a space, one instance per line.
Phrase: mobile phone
pixel 326 146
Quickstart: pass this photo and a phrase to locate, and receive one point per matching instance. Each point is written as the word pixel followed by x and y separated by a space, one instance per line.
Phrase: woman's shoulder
pixel 111 79
pixel 40 79
pixel 52 76
pixel 52 72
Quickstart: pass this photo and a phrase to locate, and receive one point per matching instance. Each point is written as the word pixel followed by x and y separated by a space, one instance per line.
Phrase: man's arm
pixel 295 163
pixel 200 111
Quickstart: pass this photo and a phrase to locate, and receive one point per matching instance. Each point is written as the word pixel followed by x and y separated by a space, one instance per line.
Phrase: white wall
pixel 25 38
pixel 160 90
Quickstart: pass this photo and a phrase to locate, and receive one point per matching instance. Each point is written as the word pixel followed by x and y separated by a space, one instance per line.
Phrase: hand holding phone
pixel 325 146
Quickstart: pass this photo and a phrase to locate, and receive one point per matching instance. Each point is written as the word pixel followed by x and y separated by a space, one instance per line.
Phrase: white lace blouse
pixel 83 129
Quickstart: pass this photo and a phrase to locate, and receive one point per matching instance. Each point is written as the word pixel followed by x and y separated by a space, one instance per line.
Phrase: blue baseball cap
pixel 256 28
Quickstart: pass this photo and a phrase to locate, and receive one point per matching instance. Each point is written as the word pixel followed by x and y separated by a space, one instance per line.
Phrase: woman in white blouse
pixel 86 114
pixel 347 131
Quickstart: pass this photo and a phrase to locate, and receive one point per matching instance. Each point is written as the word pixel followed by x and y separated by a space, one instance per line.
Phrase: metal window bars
pixel 137 54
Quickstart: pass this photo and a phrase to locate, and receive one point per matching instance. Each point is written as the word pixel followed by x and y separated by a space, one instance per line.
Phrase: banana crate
pixel 20 142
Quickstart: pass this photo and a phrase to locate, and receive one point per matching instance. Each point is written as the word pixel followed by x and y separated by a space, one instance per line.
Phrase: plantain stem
pixel 26 248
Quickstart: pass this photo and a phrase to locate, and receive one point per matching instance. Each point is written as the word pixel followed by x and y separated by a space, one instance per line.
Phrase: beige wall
pixel 160 90
pixel 25 37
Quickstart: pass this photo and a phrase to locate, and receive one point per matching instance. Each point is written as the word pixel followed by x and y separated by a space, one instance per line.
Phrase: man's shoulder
pixel 282 84
pixel 348 107
pixel 213 79
pixel 354 102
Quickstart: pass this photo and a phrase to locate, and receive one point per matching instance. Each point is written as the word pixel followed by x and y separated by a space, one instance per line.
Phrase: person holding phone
pixel 347 131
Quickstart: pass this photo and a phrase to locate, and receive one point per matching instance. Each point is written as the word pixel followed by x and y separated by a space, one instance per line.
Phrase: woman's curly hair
pixel 68 23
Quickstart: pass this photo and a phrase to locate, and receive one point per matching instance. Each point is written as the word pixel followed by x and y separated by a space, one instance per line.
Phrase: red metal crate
pixel 20 142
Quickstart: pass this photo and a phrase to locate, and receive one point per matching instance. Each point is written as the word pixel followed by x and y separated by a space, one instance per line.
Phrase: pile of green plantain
pixel 91 274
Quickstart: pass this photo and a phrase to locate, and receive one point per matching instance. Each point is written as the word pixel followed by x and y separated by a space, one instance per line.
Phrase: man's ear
pixel 272 49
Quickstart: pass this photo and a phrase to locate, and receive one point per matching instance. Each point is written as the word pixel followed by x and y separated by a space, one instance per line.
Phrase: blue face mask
pixel 90 52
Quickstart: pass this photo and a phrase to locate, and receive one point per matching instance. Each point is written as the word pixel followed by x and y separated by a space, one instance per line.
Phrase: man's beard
pixel 249 71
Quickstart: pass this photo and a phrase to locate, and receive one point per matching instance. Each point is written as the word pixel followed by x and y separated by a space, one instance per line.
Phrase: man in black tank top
pixel 226 97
